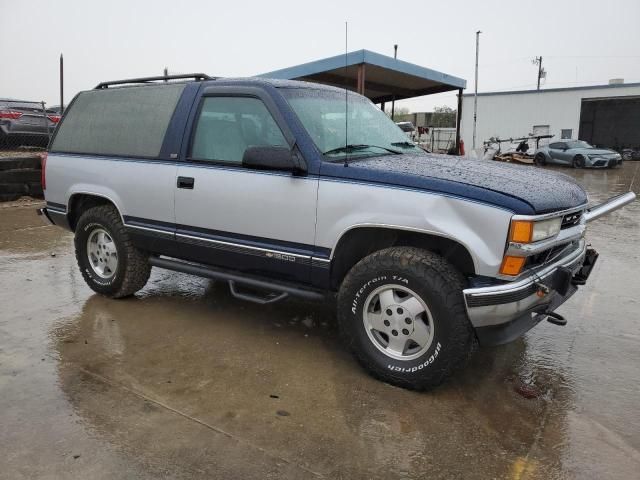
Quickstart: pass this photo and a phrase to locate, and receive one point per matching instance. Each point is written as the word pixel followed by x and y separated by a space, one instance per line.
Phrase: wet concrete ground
pixel 183 381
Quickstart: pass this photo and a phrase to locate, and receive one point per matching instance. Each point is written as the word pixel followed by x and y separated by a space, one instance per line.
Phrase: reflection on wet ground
pixel 184 381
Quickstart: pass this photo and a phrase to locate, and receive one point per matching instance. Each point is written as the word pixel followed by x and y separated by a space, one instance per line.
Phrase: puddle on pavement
pixel 186 379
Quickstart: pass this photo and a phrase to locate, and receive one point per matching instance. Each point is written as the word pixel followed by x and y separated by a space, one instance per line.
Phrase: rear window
pixel 128 121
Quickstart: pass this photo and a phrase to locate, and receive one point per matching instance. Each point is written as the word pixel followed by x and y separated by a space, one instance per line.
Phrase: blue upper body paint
pixel 520 189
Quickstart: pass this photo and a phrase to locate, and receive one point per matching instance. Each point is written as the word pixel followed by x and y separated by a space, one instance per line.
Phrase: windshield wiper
pixel 357 147
pixel 404 144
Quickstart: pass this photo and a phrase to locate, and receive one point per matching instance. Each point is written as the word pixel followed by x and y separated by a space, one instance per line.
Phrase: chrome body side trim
pixel 242 246
pixel 249 249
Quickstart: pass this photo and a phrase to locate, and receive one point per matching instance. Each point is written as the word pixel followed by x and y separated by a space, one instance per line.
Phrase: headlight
pixel 526 231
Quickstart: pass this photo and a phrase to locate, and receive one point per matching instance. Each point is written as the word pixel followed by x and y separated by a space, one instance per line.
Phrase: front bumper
pixel 501 313
pixel 598 162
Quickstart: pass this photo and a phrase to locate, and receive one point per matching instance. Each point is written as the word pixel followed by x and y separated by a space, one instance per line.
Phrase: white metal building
pixel 604 115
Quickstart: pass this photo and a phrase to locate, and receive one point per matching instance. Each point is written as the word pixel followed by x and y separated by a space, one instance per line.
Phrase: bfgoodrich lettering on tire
pixel 109 263
pixel 402 314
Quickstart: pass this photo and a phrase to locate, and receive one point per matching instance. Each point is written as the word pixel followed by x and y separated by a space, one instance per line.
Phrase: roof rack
pixel 195 76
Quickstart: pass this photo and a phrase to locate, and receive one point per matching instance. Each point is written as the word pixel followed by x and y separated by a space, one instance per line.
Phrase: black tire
pixel 18 163
pixel 133 269
pixel 8 197
pixel 20 175
pixel 578 161
pixel 540 160
pixel 439 285
pixel 14 188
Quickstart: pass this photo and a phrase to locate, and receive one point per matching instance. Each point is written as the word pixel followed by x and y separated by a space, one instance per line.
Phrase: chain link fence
pixel 25 130
pixel 26 125
pixel 437 140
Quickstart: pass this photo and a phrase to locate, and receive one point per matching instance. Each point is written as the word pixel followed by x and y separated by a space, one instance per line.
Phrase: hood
pixel 594 151
pixel 520 188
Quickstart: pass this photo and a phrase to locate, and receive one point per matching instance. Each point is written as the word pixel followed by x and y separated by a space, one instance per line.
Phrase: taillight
pixel 54 118
pixel 10 114
pixel 43 174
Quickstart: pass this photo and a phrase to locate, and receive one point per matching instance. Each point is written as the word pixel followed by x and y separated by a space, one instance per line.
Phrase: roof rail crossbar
pixel 195 76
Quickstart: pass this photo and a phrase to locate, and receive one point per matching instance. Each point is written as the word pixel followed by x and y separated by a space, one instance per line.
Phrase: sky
pixel 582 42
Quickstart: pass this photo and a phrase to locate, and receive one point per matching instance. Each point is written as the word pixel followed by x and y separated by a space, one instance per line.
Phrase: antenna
pixel 346 99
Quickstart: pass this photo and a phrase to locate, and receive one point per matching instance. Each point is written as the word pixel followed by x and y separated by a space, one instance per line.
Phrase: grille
pixel 571 219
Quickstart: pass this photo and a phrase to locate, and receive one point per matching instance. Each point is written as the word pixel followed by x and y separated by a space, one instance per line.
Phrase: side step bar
pixel 283 290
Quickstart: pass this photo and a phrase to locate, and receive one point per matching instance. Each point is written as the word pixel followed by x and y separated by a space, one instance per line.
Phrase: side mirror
pixel 271 158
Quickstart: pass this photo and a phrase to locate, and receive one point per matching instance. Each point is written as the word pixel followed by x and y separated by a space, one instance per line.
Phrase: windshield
pixel 578 144
pixel 370 130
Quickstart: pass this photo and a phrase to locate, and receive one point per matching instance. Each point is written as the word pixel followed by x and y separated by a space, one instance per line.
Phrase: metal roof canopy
pixel 378 77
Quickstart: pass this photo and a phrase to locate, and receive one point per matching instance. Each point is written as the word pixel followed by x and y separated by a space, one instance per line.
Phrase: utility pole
pixel 475 96
pixel 541 72
pixel 393 100
pixel 61 85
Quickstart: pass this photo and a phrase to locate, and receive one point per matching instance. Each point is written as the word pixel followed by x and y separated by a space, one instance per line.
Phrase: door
pixel 255 221
pixel 610 122
pixel 557 151
pixel 541 130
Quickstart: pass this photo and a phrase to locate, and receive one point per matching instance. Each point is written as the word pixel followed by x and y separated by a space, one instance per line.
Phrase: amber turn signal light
pixel 512 265
pixel 521 231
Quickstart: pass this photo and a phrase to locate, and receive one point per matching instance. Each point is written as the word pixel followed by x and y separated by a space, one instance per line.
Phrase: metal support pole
pixel 475 96
pixel 61 85
pixel 46 119
pixel 393 100
pixel 539 70
pixel 458 120
pixel 361 78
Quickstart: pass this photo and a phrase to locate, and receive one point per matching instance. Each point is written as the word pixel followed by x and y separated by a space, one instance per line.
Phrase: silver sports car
pixel 578 154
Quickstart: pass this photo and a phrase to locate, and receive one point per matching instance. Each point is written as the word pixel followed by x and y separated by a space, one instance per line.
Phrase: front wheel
pixel 578 161
pixel 109 263
pixel 402 313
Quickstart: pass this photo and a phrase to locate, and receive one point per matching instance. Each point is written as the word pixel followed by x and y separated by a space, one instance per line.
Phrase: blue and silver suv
pixel 287 188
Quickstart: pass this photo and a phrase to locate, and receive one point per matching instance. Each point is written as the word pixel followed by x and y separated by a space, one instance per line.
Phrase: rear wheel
pixel 109 262
pixel 578 161
pixel 540 160
pixel 402 314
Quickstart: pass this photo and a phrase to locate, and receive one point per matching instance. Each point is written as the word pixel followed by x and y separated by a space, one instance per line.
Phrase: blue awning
pixel 381 78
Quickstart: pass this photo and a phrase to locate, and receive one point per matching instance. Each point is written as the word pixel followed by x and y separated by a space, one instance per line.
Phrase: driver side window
pixel 227 126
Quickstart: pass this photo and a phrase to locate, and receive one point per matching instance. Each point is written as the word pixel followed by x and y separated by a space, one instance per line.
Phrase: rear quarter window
pixel 130 121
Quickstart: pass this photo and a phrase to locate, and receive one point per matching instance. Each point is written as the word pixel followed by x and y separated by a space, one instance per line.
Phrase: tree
pixel 443 116
pixel 443 109
pixel 398 111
